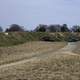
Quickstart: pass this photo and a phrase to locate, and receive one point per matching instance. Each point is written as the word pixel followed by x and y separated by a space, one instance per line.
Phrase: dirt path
pixel 66 50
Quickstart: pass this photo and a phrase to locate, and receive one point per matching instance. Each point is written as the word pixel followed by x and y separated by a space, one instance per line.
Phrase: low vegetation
pixel 15 38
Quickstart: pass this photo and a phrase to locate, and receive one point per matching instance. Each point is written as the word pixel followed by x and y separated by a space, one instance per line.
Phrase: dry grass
pixel 52 67
pixel 26 51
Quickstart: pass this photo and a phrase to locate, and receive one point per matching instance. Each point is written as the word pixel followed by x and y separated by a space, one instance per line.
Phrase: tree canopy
pixel 14 27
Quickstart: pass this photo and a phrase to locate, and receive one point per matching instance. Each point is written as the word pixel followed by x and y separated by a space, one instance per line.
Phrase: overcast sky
pixel 30 13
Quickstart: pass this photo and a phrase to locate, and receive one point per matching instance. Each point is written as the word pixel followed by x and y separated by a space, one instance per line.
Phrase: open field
pixel 40 61
pixel 27 50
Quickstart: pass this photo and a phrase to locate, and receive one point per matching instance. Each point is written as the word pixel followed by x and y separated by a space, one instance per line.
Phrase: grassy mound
pixel 15 38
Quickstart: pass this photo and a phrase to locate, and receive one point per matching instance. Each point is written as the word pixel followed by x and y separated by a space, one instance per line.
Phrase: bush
pixel 48 38
pixel 51 37
pixel 73 38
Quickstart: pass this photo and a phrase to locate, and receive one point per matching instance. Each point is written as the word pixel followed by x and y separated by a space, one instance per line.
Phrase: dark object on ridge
pixel 47 38
pixel 14 28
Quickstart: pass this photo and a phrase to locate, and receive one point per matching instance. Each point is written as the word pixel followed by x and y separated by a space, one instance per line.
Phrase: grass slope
pixel 15 38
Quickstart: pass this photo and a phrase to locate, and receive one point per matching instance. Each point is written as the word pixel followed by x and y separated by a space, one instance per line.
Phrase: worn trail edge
pixel 65 50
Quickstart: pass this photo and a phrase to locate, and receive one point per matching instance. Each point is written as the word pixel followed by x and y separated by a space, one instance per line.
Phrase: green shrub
pixel 48 38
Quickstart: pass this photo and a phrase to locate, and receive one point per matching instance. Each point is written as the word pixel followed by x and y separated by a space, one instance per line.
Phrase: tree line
pixel 43 28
